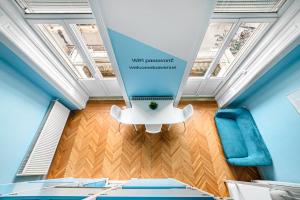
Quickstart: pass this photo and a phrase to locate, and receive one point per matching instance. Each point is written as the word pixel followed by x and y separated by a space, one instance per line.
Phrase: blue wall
pixel 24 99
pixel 276 118
pixel 142 76
pixel 22 108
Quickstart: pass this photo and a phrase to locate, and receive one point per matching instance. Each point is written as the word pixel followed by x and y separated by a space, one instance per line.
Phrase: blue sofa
pixel 240 138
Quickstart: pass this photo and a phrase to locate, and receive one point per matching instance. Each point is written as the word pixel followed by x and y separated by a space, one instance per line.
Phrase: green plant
pixel 153 105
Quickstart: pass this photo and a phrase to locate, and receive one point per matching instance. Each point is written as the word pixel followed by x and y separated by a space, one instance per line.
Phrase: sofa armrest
pixel 253 160
pixel 228 113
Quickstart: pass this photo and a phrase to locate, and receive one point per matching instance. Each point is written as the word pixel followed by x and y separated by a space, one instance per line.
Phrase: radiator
pixel 40 155
pixel 149 98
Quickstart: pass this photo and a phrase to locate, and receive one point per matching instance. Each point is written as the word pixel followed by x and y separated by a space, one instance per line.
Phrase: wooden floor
pixel 91 146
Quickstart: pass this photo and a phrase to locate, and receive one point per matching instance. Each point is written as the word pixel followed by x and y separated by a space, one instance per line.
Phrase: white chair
pixel 115 112
pixel 187 112
pixel 153 128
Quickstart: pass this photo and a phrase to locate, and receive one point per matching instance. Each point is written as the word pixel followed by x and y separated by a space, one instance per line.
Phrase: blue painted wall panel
pixel 24 99
pixel 276 118
pixel 22 108
pixel 142 76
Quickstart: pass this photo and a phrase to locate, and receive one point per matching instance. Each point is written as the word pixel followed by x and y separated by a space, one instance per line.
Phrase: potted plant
pixel 153 105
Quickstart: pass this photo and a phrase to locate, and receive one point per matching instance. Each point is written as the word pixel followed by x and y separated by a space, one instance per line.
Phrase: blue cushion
pixel 231 138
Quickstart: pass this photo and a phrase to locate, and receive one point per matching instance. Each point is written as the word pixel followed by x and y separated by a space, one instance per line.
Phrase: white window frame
pixel 69 26
pixel 233 67
pixel 236 23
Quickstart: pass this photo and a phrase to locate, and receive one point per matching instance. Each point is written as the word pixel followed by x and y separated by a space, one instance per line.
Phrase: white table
pixel 140 113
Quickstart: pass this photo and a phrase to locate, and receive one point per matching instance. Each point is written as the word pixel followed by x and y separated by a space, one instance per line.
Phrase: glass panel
pixel 94 43
pixel 55 6
pixel 270 6
pixel 105 69
pixel 212 42
pixel 242 38
pixel 61 41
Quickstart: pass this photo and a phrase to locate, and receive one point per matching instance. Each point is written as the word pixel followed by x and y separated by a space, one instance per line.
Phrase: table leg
pixel 169 127
pixel 135 128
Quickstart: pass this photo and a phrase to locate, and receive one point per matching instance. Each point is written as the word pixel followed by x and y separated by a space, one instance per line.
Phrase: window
pixel 82 34
pixel 94 43
pixel 224 44
pixel 58 37
pixel 254 6
pixel 246 33
pixel 212 42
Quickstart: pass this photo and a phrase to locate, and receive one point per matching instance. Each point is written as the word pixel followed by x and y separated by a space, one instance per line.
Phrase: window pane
pixel 212 42
pixel 83 72
pixel 225 6
pixel 243 37
pixel 61 41
pixel 94 43
pixel 105 69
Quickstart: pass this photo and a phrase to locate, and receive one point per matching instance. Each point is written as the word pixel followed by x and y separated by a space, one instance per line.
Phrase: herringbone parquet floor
pixel 91 146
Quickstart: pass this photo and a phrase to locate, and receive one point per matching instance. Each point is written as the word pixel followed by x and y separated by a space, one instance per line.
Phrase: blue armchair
pixel 240 138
